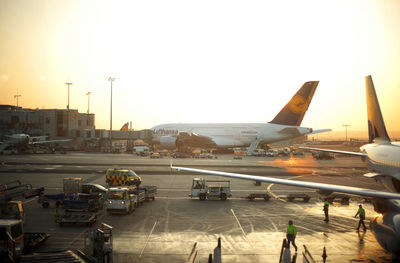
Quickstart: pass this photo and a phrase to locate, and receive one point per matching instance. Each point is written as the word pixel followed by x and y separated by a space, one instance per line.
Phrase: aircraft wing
pixel 319 186
pixel 50 141
pixel 334 151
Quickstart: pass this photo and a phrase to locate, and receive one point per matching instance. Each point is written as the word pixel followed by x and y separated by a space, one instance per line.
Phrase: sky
pixel 202 61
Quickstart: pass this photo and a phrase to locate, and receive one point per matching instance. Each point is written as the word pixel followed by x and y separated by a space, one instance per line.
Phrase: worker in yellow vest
pixel 291 233
pixel 361 214
pixel 326 210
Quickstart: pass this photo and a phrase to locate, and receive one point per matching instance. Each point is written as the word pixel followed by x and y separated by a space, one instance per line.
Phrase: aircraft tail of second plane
pixel 376 125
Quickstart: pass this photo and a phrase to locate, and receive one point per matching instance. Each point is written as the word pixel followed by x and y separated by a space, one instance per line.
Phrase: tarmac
pixel 166 229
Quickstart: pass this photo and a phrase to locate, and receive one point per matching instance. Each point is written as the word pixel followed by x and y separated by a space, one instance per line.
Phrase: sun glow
pixel 209 61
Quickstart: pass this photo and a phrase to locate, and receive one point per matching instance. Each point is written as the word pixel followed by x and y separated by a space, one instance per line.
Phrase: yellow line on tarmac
pixel 274 195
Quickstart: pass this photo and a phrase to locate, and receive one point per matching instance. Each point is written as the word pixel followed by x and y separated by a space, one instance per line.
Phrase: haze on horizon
pixel 202 61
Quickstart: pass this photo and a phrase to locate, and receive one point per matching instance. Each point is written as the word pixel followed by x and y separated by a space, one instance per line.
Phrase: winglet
pixel 293 112
pixel 376 125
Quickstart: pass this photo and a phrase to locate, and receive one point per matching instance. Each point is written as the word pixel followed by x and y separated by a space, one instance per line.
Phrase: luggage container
pixel 72 185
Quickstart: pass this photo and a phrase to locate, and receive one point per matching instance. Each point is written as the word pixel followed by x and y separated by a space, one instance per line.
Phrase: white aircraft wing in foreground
pixel 319 186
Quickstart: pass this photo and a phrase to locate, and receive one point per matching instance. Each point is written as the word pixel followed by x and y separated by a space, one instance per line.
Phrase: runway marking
pixel 241 228
pixel 147 240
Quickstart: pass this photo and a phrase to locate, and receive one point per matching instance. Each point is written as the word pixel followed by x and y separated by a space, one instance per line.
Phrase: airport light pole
pixel 88 96
pixel 111 79
pixel 17 96
pixel 68 84
pixel 346 126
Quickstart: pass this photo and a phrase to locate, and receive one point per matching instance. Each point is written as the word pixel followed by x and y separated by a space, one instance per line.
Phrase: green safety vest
pixel 326 203
pixel 361 212
pixel 291 229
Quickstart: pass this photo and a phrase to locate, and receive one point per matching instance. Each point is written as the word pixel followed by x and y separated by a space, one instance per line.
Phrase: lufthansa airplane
pixel 383 160
pixel 284 126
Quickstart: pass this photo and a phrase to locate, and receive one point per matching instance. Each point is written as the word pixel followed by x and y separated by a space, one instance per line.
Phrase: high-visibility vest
pixel 326 203
pixel 291 229
pixel 361 212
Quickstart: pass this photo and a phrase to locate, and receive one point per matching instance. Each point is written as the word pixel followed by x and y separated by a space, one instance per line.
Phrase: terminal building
pixel 63 124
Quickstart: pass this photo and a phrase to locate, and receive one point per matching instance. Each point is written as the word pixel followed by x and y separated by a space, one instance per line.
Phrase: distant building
pixel 61 123
pixel 53 123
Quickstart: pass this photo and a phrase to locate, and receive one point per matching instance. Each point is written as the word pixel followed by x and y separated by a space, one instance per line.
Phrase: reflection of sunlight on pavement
pixel 293 164
pixel 307 164
pixel 306 161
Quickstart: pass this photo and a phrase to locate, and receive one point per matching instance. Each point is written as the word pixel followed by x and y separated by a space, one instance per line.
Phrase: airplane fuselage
pixel 384 159
pixel 229 135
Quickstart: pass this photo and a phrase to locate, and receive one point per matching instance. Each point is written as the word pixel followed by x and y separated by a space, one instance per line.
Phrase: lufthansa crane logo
pixel 298 105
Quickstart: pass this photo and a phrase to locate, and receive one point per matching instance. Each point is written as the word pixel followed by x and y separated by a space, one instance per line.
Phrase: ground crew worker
pixel 291 232
pixel 326 210
pixel 361 214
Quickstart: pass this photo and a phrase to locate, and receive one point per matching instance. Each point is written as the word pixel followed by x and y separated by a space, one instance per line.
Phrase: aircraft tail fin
pixel 376 125
pixel 294 110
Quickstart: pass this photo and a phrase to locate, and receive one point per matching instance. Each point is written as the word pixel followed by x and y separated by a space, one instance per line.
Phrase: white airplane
pixel 383 159
pixel 23 141
pixel 229 135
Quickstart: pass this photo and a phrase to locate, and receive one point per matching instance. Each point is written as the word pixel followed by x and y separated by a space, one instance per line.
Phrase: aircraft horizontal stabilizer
pixel 372 175
pixel 321 131
pixel 319 186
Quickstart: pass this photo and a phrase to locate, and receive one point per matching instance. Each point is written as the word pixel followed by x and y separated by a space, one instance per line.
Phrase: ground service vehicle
pixel 271 153
pixel 155 156
pixel 319 155
pixel 118 176
pixel 121 200
pixel 202 190
pixel 13 240
pixel 141 150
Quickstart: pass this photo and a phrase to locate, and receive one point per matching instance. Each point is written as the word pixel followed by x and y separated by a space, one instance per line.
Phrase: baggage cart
pixel 45 200
pixel 150 192
pixel 253 196
pixel 73 217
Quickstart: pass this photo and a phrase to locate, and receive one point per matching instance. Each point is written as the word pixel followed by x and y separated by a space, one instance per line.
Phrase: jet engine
pixel 168 142
pixel 185 139
pixel 386 229
pixel 386 225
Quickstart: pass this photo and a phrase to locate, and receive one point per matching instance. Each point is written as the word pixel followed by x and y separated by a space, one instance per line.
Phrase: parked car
pixel 179 155
pixel 155 156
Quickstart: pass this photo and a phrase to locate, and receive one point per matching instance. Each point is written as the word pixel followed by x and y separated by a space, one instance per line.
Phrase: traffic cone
pixel 324 255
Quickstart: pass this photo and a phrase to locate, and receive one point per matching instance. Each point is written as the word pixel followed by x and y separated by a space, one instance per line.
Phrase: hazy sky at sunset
pixel 202 61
